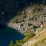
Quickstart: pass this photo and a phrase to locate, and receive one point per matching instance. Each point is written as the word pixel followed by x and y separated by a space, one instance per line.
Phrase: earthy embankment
pixel 13 25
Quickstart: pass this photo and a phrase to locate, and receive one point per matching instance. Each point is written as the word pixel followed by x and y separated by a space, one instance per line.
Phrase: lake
pixel 7 33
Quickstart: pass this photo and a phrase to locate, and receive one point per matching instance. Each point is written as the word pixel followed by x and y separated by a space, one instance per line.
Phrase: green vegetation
pixel 29 34
pixel 41 39
pixel 11 43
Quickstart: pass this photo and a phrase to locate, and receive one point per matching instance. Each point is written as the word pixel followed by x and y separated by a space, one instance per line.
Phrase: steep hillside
pixel 30 17
pixel 38 40
pixel 28 20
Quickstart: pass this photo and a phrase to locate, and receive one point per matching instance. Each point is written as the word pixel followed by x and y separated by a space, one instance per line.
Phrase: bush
pixel 21 20
pixel 29 24
pixel 29 18
pixel 34 26
pixel 32 18
pixel 18 43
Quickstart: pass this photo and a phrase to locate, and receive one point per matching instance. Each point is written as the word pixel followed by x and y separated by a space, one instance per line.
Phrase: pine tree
pixel 11 43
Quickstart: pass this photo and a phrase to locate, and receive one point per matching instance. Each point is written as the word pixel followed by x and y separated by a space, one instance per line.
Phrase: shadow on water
pixel 1 26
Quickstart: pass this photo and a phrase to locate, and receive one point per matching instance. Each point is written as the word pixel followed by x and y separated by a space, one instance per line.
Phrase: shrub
pixel 29 18
pixel 29 24
pixel 34 26
pixel 32 18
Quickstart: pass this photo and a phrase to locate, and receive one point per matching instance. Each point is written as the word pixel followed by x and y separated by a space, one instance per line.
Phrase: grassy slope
pixel 40 39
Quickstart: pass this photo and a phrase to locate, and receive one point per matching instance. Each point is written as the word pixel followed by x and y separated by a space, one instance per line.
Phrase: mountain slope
pixel 30 17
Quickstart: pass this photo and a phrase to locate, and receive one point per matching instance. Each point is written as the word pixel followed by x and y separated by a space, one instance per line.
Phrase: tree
pixel 11 43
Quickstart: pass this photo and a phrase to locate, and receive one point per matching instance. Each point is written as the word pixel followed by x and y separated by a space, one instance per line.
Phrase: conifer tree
pixel 11 43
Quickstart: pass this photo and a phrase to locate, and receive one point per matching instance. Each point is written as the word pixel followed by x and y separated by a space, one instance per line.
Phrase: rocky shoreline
pixel 13 25
pixel 16 27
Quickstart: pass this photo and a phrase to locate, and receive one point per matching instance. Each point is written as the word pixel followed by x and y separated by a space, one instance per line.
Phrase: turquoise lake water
pixel 6 34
